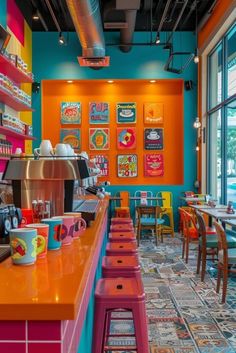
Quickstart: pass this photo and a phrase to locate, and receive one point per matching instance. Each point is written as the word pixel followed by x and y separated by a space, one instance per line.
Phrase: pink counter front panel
pixel 39 336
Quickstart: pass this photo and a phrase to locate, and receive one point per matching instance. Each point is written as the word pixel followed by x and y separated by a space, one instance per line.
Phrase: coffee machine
pixel 46 179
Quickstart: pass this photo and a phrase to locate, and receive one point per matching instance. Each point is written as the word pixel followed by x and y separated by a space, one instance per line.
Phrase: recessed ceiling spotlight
pixel 69 81
pixel 152 81
pixel 110 81
pixel 35 16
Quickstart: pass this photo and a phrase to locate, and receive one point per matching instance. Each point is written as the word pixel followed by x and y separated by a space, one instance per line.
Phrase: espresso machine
pixel 49 179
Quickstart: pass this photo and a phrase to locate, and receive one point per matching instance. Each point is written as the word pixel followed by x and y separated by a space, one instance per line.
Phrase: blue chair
pixel 149 217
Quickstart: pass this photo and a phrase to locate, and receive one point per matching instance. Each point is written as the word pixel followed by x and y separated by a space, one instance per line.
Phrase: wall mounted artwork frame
pixel 70 113
pixel 153 138
pixel 99 139
pixel 153 165
pixel 102 162
pixel 126 138
pixel 153 113
pixel 71 136
pixel 127 165
pixel 126 113
pixel 99 113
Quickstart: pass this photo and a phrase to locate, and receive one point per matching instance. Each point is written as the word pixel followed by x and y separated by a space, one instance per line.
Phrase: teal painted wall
pixel 3 13
pixel 52 61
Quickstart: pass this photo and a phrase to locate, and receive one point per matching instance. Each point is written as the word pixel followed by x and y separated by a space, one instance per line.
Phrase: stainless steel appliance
pixel 46 179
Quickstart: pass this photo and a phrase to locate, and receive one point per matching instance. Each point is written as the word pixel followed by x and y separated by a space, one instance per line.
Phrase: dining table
pixel 219 212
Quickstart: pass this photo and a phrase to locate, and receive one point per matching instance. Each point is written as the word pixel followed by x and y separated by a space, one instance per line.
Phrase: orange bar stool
pixel 119 295
pixel 123 211
pixel 121 228
pixel 125 237
pixel 121 266
pixel 121 249
pixel 119 220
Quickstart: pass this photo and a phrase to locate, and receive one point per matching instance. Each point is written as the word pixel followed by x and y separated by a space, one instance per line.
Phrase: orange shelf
pixel 10 70
pixel 8 99
pixel 6 131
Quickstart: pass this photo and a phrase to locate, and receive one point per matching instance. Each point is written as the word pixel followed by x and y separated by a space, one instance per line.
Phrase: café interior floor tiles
pixel 184 314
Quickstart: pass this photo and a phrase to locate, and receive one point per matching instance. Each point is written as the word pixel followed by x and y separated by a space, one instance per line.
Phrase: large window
pixel 222 119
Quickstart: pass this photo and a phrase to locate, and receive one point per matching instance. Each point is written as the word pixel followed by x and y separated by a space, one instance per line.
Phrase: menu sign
pixel 127 165
pixel 153 113
pixel 153 165
pixel 126 113
pixel 70 113
pixel 153 139
pixel 72 137
pixel 99 139
pixel 102 163
pixel 98 113
pixel 126 138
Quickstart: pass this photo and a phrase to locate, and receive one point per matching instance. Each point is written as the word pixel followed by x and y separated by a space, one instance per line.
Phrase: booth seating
pixel 119 295
pixel 124 237
pixel 125 249
pixel 121 266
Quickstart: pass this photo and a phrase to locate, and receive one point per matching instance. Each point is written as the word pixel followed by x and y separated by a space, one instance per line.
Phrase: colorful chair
pixel 149 217
pixel 123 210
pixel 167 205
pixel 190 233
pixel 226 258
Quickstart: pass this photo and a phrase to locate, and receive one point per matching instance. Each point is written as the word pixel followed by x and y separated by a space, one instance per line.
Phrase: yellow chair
pixel 123 209
pixel 166 205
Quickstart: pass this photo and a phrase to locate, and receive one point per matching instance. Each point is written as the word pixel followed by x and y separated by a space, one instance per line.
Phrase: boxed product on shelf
pixel 28 129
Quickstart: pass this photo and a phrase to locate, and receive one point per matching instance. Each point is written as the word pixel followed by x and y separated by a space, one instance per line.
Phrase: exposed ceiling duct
pixel 86 17
pixel 125 12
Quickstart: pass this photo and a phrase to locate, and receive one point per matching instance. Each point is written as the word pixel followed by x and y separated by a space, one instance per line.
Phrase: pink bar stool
pixel 125 237
pixel 121 228
pixel 118 220
pixel 121 266
pixel 119 294
pixel 121 249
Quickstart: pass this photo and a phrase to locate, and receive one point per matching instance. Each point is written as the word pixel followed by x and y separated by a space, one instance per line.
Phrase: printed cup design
pixel 23 242
pixel 42 237
pixel 54 233
pixel 67 230
pixel 79 224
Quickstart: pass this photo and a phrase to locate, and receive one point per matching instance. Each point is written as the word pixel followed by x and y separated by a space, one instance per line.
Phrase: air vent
pixel 94 62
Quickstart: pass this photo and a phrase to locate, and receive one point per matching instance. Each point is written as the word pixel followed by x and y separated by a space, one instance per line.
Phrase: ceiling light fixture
pixel 110 81
pixel 196 56
pixel 61 39
pixel 152 81
pixel 158 40
pixel 35 16
pixel 197 123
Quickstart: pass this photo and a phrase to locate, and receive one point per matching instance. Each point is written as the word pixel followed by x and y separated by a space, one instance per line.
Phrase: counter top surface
pixel 53 288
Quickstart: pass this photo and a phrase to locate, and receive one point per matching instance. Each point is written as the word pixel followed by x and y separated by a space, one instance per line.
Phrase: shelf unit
pixel 8 99
pixel 9 69
pixel 6 131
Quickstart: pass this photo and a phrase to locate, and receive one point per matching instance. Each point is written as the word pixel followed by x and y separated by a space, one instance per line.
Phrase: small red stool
pixel 119 294
pixel 118 220
pixel 125 237
pixel 121 228
pixel 121 266
pixel 121 249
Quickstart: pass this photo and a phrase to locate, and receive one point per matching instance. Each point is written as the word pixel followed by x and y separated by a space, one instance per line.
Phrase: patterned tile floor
pixel 184 314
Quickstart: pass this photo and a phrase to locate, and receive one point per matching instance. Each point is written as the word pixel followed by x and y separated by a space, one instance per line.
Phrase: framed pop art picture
pixel 126 138
pixel 99 139
pixel 70 113
pixel 102 162
pixel 125 113
pixel 153 139
pixel 71 136
pixel 153 165
pixel 98 113
pixel 127 166
pixel 153 113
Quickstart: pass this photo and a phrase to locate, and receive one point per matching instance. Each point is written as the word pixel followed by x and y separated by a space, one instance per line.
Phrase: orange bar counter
pixel 51 296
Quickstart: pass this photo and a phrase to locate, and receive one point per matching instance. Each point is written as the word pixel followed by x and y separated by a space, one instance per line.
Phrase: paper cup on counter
pixel 42 237
pixel 23 243
pixel 79 223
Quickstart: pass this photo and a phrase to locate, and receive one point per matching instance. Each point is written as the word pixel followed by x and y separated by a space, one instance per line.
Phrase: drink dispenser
pixel 45 179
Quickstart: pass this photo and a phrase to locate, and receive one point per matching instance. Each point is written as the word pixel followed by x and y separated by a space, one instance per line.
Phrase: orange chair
pixel 123 209
pixel 190 233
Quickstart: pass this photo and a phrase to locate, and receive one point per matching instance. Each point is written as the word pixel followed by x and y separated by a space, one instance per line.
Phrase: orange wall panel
pixel 169 92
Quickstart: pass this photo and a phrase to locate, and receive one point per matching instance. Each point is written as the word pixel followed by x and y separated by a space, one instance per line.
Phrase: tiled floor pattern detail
pixel 184 314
